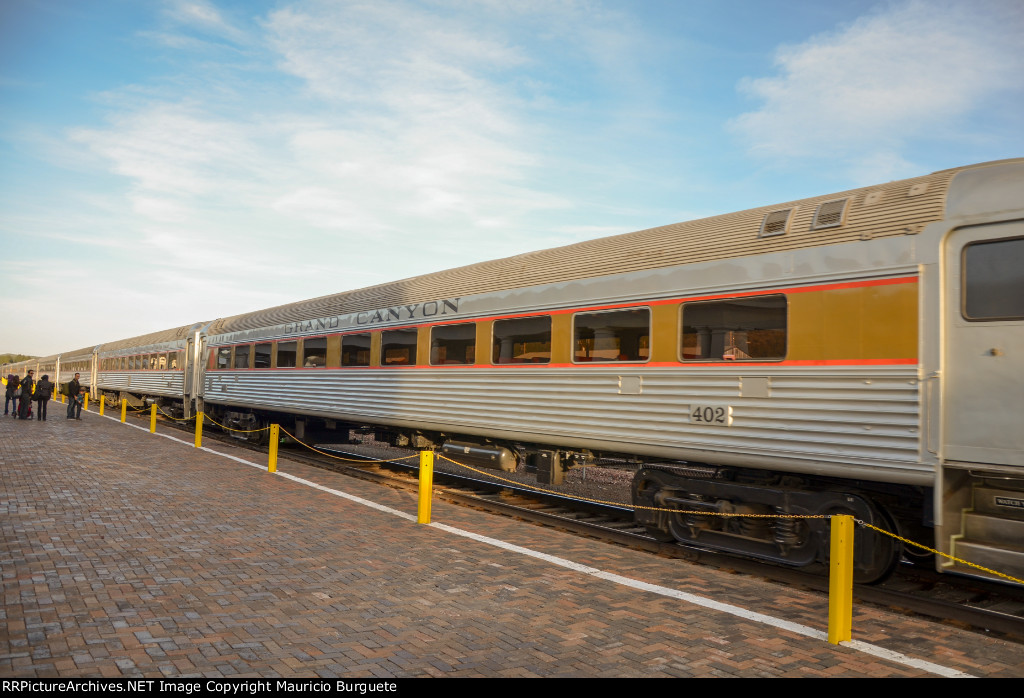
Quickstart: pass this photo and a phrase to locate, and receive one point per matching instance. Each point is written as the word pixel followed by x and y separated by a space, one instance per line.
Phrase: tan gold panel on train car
pixel 273 355
pixel 483 342
pixel 422 345
pixel 375 341
pixel 892 332
pixel 664 332
pixel 860 323
pixel 561 338
pixel 334 351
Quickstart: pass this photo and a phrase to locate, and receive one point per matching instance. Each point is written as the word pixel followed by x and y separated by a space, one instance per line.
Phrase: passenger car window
pixel 453 344
pixel 262 356
pixel 242 356
pixel 314 352
pixel 993 280
pixel 613 335
pixel 286 354
pixel 398 347
pixel 737 329
pixel 521 341
pixel 355 350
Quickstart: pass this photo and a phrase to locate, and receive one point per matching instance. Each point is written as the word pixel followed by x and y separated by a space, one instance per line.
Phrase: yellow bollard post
pixel 103 401
pixel 840 581
pixel 124 409
pixel 152 418
pixel 63 399
pixel 199 430
pixel 275 437
pixel 426 486
pixel 86 408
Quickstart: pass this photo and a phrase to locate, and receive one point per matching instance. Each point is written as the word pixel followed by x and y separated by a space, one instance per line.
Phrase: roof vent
pixel 872 198
pixel 775 223
pixel 829 214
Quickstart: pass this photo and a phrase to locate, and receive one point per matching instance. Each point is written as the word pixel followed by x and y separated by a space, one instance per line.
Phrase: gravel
pixel 606 481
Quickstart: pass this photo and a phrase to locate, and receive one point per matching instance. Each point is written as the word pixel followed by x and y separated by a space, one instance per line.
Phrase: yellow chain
pixel 940 553
pixel 176 419
pixel 749 516
pixel 628 506
pixel 347 460
pixel 243 431
pixel 618 504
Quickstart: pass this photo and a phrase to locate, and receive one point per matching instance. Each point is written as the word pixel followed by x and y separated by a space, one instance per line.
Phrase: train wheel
pixel 875 555
pixel 257 432
pixel 918 557
pixel 645 489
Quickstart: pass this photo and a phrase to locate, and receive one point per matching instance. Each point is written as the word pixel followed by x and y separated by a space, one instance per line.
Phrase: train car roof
pixel 900 207
pixel 143 340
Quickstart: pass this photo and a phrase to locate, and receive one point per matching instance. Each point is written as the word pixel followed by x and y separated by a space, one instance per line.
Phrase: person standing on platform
pixel 12 394
pixel 44 390
pixel 75 398
pixel 25 404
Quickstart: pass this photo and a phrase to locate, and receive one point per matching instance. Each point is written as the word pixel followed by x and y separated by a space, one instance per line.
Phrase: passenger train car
pixel 860 352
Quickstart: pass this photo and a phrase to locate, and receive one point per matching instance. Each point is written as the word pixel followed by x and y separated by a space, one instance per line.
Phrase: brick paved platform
pixel 127 554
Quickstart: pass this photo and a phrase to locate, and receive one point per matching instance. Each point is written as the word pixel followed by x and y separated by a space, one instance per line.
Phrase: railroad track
pixel 983 606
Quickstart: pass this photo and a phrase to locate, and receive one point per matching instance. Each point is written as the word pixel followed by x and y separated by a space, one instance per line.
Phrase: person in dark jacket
pixel 12 394
pixel 75 398
pixel 25 404
pixel 44 390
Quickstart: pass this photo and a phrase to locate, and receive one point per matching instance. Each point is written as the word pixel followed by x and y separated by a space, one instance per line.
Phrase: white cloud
pixel 204 16
pixel 328 146
pixel 171 148
pixel 908 72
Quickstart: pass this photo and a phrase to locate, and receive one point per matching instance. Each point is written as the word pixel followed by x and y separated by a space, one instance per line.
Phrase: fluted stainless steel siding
pixel 167 383
pixel 867 416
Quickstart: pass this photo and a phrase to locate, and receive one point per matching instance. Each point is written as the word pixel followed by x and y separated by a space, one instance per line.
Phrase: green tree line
pixel 13 358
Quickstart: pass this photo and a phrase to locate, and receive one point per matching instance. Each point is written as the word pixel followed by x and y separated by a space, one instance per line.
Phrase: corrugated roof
pixel 895 208
pixel 151 338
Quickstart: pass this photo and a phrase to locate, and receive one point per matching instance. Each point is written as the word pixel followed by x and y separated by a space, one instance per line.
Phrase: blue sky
pixel 168 162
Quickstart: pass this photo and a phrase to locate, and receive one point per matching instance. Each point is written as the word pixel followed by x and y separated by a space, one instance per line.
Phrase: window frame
pixel 434 349
pixel 414 358
pixel 722 361
pixel 277 353
pixel 963 281
pixel 301 363
pixel 495 346
pixel 236 355
pixel 369 350
pixel 602 362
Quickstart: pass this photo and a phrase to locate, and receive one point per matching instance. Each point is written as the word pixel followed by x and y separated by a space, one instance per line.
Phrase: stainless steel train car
pixel 157 365
pixel 858 352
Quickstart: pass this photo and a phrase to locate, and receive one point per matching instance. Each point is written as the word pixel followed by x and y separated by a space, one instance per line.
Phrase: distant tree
pixel 14 358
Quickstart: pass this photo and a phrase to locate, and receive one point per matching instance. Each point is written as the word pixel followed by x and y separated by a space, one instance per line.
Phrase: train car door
pixel 94 375
pixel 189 367
pixel 190 363
pixel 983 343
